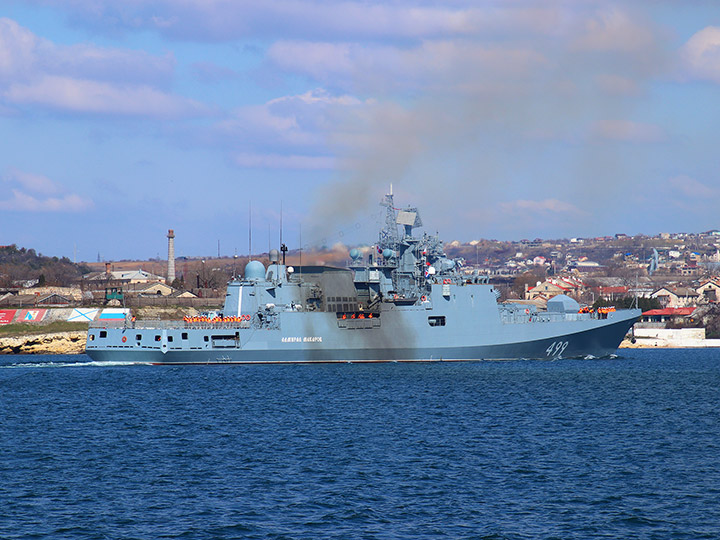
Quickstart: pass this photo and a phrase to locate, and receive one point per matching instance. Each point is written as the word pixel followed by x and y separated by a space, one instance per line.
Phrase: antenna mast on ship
pixel 389 235
pixel 249 230
pixel 283 247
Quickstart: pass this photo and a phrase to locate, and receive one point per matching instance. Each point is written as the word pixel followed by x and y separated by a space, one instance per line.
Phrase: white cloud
pixel 215 20
pixel 294 122
pixel 36 183
pixel 628 131
pixel 473 100
pixel 87 96
pixel 431 65
pixel 289 132
pixel 617 50
pixel 319 96
pixel 22 202
pixel 691 188
pixel 17 49
pixel 85 78
pixel 46 194
pixel 24 54
pixel 615 30
pixel 88 61
pixel 701 55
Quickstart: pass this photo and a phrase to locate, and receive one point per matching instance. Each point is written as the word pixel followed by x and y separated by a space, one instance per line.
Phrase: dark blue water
pixel 621 448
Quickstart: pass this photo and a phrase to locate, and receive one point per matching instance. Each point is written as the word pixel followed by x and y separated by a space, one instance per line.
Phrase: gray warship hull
pixel 592 343
pixel 402 300
pixel 398 335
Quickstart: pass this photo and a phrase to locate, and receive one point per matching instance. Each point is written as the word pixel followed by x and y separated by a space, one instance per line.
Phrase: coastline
pixel 71 342
pixel 654 343
pixel 57 335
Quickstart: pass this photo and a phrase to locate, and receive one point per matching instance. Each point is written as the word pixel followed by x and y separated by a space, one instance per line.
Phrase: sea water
pixel 627 447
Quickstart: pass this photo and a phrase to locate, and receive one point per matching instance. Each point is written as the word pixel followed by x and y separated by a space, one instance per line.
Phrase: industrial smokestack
pixel 171 256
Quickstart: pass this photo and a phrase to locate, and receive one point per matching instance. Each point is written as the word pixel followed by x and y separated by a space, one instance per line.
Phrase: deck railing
pixel 168 325
pixel 519 317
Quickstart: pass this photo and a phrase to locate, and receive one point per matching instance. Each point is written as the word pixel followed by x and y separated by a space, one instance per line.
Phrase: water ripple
pixel 571 449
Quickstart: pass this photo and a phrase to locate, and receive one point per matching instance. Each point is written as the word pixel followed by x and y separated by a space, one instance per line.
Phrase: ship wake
pixel 44 364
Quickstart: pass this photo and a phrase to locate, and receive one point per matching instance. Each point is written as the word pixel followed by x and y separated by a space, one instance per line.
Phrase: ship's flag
pixel 83 314
pixel 7 315
pixel 114 314
pixel 32 315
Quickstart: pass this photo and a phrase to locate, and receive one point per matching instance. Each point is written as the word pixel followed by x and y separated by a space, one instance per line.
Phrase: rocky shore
pixel 41 339
pixel 54 343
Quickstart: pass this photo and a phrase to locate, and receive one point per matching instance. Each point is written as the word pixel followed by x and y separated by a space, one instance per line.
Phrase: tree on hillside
pixel 20 264
pixel 711 321
pixel 178 283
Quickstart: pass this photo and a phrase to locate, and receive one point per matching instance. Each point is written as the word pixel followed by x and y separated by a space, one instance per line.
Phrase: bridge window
pixel 437 321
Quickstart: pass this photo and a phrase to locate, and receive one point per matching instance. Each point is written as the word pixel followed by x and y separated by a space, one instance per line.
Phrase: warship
pixel 403 300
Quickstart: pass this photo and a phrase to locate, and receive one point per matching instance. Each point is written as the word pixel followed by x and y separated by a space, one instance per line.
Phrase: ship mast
pixel 389 235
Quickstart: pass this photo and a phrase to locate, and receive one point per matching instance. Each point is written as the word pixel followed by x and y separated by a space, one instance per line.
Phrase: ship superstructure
pixel 401 300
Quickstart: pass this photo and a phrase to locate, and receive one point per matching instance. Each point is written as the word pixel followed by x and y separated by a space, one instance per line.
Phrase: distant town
pixel 673 277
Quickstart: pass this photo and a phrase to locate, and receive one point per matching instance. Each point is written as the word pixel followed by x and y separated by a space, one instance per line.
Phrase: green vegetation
pixel 27 329
pixel 20 264
pixel 712 322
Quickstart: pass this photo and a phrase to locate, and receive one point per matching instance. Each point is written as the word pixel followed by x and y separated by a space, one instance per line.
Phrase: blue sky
pixel 500 119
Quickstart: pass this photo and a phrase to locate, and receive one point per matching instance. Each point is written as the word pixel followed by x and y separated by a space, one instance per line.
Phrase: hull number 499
pixel 556 348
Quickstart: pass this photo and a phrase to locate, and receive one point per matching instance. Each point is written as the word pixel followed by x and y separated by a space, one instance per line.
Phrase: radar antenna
pixel 389 234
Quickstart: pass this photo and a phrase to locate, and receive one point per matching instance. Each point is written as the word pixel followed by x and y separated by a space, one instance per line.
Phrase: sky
pixel 504 119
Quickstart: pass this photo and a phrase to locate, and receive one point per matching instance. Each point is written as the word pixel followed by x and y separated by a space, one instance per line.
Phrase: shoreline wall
pixel 671 338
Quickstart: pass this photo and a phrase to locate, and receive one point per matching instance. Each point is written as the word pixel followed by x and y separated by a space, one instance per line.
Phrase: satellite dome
pixel 255 270
pixel 354 253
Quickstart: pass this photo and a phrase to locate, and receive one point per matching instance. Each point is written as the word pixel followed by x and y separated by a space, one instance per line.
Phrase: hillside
pixel 21 265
